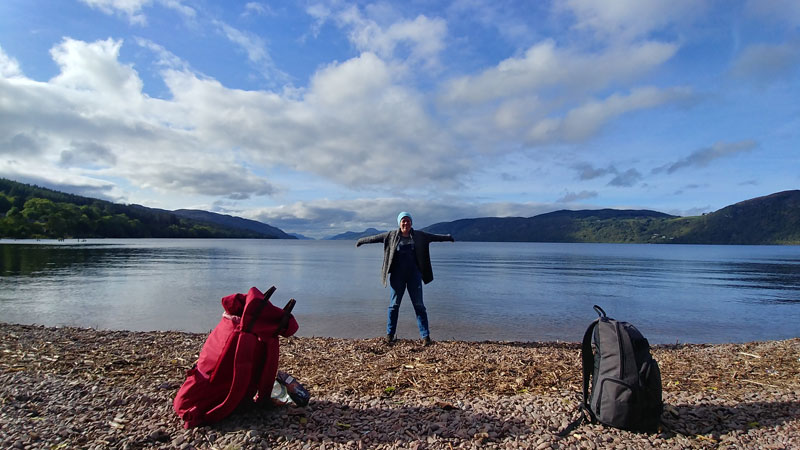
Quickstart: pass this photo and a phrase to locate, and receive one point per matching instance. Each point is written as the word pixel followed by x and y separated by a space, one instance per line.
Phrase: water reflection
pixel 498 291
pixel 44 260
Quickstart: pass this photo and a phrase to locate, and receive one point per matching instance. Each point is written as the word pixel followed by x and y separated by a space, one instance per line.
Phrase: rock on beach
pixel 97 389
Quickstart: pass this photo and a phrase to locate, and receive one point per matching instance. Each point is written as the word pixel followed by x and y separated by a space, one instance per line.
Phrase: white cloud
pixel 132 9
pixel 353 81
pixel 60 179
pixel 510 19
pixel 548 94
pixel 321 14
pixel 417 42
pixel 9 67
pixel 164 57
pixel 257 51
pixel 93 119
pixel 425 37
pixel 257 9
pixel 632 19
pixel 558 72
pixel 587 119
pixel 211 181
pixel 187 12
pixel 94 67
pixel 351 126
pixel 324 217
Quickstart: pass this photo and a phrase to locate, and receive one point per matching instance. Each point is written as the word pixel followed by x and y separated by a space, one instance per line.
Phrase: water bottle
pixel 297 392
pixel 279 395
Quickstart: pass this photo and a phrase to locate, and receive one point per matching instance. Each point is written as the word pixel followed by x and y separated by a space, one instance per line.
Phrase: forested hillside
pixel 772 219
pixel 29 212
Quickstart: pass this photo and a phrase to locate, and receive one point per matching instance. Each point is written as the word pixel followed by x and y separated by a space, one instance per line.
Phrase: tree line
pixel 31 212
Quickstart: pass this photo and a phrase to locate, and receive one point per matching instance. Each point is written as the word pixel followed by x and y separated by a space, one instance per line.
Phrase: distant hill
pixel 603 225
pixel 301 237
pixel 352 235
pixel 773 219
pixel 28 211
pixel 233 222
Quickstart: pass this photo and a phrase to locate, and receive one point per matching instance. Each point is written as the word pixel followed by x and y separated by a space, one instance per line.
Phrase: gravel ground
pixel 85 388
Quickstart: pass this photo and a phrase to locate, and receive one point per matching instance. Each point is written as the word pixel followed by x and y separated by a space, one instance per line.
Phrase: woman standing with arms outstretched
pixel 407 264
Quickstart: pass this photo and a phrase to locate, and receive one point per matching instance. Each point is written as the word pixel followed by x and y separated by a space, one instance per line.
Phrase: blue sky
pixel 326 116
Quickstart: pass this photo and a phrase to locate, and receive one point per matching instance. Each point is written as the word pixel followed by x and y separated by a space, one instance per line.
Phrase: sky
pixel 320 117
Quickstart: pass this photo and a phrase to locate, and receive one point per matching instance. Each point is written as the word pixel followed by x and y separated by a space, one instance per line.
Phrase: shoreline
pixel 71 387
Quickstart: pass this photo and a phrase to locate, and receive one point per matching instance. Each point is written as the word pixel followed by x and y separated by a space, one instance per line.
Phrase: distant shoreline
pixel 54 241
pixel 767 220
pixel 82 387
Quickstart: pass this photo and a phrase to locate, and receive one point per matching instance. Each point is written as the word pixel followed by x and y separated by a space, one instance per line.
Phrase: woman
pixel 407 261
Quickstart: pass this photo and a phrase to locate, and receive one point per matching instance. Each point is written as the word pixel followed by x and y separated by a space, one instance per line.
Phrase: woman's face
pixel 405 225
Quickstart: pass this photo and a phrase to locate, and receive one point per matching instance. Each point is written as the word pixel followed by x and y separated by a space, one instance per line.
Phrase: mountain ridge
pixel 28 211
pixel 348 235
pixel 769 219
pixel 233 222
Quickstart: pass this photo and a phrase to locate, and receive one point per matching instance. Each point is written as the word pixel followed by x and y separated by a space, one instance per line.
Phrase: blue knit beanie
pixel 403 214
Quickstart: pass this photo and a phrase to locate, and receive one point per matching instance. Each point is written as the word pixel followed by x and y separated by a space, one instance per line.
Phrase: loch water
pixel 481 291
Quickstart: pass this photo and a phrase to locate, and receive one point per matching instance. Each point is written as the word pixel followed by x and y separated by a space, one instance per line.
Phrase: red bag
pixel 239 359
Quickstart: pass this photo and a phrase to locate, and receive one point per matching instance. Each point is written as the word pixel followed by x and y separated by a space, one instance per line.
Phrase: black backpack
pixel 626 380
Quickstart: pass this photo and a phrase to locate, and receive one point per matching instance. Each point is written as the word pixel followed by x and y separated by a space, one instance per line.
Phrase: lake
pixel 481 291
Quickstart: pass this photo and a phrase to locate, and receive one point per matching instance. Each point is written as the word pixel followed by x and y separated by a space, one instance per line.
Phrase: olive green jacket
pixel 422 241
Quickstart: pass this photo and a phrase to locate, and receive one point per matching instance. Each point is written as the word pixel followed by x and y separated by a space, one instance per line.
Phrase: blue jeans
pixel 398 283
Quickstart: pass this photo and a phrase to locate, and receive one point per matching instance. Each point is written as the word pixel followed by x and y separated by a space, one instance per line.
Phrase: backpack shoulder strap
pixel 587 356
pixel 242 374
pixel 587 360
pixel 587 363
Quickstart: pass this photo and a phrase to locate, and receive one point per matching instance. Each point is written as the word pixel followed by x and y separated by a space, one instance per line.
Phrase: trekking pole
pixel 287 314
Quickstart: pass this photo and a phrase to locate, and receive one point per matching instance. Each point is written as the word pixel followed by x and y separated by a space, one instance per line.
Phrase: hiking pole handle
pixel 287 314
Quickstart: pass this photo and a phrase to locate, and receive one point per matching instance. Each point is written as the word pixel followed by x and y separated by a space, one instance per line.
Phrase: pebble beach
pixel 97 389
